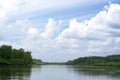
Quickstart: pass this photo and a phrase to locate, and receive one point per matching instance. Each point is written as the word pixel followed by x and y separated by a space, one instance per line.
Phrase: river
pixel 58 72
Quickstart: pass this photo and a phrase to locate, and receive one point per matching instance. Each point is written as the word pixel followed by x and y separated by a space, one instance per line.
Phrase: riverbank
pixel 97 61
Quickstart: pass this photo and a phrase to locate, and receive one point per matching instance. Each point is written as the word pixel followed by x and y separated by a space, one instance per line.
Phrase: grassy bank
pixel 106 61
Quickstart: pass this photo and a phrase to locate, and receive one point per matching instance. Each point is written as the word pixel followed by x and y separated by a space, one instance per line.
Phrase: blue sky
pixel 61 30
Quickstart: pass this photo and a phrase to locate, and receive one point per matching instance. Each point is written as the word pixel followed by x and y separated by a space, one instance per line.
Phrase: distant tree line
pixel 37 62
pixel 10 56
pixel 111 60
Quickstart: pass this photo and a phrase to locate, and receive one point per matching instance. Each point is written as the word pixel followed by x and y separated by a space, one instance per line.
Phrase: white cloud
pixel 2 15
pixel 16 30
pixel 113 13
pixel 9 7
pixel 13 44
pixel 107 47
pixel 100 31
pixel 96 27
pixel 111 26
pixel 33 31
pixel 50 29
pixel 75 29
pixel 100 34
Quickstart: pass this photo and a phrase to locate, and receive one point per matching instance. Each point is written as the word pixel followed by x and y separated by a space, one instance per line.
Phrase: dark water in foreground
pixel 58 72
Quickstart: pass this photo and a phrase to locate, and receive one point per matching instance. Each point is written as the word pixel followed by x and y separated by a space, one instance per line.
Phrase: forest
pixel 11 56
pixel 110 61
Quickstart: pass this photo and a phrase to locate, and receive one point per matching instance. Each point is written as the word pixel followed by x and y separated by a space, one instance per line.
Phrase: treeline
pixel 37 62
pixel 10 56
pixel 111 61
pixel 54 63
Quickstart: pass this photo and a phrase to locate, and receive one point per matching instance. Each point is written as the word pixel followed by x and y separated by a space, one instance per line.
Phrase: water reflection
pixel 96 70
pixel 58 72
pixel 63 72
pixel 96 73
pixel 15 73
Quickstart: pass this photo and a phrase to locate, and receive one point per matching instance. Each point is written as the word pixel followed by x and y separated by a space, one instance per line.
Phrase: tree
pixel 27 58
pixel 5 52
pixel 14 56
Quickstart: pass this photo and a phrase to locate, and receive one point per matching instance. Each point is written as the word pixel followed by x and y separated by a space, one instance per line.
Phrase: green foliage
pixel 37 61
pixel 111 61
pixel 11 56
pixel 5 52
pixel 27 58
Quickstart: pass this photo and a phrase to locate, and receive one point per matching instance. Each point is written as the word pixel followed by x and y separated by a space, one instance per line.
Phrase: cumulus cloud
pixel 32 31
pixel 8 8
pixel 98 35
pixel 111 22
pixel 100 31
pixel 16 30
pixel 50 28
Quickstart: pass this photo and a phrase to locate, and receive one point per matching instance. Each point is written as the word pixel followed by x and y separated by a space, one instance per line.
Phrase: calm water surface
pixel 58 72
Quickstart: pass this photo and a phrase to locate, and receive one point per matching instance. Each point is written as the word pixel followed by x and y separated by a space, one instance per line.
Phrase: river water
pixel 58 72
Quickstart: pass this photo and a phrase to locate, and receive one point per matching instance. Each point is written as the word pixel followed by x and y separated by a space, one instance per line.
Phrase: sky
pixel 58 31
